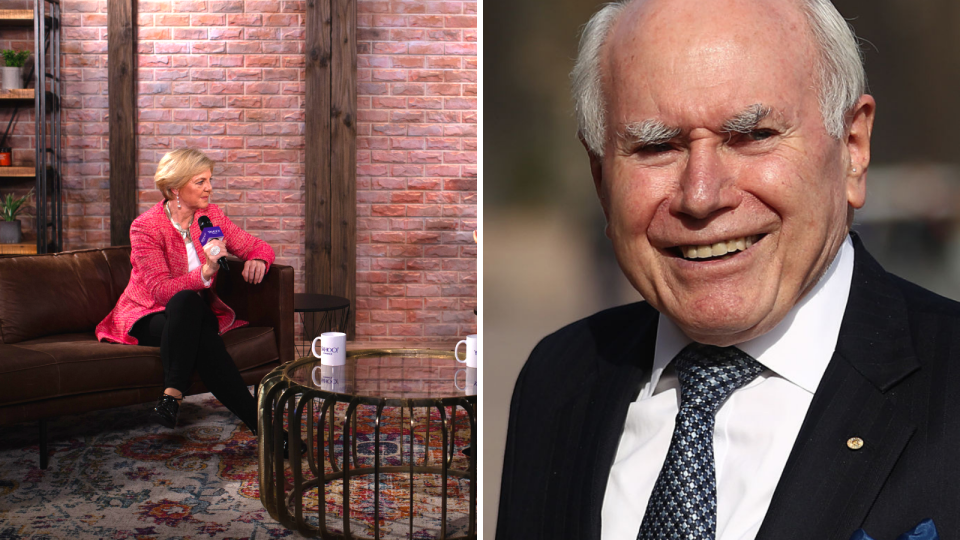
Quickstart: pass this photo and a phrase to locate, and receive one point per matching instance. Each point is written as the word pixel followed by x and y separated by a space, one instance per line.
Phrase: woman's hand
pixel 213 250
pixel 253 270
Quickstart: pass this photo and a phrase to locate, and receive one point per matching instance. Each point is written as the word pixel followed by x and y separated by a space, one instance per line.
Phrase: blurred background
pixel 547 262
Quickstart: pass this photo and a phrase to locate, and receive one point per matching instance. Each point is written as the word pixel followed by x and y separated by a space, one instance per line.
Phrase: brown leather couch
pixel 51 363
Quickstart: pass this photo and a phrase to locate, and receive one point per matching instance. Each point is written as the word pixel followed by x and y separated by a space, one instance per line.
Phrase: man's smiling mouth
pixel 719 249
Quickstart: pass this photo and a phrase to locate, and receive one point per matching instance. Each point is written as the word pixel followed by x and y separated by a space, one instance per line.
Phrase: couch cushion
pixel 43 295
pixel 46 367
pixel 252 346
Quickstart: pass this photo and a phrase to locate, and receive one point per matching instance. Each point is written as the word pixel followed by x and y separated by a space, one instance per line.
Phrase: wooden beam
pixel 343 161
pixel 122 89
pixel 317 241
pixel 331 152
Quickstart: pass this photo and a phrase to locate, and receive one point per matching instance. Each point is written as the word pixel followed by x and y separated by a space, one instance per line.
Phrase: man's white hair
pixel 840 69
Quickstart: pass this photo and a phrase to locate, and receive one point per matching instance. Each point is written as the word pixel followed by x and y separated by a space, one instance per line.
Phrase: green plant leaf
pixel 14 58
pixel 10 207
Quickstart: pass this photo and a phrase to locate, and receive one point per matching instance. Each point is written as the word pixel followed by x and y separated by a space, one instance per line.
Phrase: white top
pixel 193 261
pixel 755 428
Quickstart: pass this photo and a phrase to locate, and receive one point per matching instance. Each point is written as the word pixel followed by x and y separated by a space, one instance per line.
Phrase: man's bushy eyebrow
pixel 648 132
pixel 652 131
pixel 746 120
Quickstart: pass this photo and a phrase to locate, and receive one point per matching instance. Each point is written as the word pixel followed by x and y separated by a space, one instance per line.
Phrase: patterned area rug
pixel 115 474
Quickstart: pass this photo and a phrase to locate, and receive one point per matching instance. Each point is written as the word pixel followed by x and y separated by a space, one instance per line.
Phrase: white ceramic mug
pixel 470 385
pixel 472 345
pixel 333 348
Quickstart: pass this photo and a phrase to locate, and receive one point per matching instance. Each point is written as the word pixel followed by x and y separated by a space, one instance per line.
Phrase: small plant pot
pixel 12 78
pixel 10 232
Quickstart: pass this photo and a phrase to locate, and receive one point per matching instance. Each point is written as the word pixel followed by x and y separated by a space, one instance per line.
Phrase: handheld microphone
pixel 207 233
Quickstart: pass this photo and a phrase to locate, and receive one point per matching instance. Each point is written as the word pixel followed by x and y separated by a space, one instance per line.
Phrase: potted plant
pixel 13 70
pixel 10 232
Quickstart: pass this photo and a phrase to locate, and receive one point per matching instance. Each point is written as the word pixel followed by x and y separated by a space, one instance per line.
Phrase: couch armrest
pixel 268 303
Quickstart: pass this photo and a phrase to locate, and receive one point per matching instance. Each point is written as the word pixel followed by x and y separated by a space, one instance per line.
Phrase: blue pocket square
pixel 925 530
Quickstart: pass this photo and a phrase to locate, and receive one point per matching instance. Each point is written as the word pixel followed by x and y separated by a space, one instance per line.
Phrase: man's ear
pixel 596 169
pixel 858 147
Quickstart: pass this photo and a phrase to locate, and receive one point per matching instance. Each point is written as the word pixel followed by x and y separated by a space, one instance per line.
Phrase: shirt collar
pixel 800 346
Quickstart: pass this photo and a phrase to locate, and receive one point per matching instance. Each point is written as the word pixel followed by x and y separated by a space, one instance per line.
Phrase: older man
pixel 776 383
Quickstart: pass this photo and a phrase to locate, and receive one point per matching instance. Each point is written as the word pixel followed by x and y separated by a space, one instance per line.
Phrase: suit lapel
pixel 827 488
pixel 584 426
pixel 620 375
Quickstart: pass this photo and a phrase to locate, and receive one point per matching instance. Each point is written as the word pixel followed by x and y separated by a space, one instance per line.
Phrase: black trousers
pixel 189 339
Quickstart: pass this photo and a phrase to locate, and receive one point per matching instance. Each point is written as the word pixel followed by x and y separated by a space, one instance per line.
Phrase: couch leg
pixel 43 444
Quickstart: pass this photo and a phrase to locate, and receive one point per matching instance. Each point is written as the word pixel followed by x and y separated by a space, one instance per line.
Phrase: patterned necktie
pixel 683 505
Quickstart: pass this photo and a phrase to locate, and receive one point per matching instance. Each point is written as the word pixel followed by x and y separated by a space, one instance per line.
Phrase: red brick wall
pixel 226 76
pixel 416 168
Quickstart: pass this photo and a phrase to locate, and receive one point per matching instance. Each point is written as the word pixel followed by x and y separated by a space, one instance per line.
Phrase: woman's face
pixel 195 194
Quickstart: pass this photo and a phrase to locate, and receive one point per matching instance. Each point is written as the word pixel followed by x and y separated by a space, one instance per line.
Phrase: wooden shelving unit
pixel 23 93
pixel 18 172
pixel 18 249
pixel 16 17
pixel 44 97
pixel 26 97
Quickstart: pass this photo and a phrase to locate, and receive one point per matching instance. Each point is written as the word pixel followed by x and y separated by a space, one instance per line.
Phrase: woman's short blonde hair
pixel 178 167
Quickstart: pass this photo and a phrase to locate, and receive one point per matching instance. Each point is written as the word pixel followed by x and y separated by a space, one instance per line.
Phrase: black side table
pixel 319 313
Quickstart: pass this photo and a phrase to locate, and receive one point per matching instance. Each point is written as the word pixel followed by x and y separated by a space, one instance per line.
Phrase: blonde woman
pixel 171 301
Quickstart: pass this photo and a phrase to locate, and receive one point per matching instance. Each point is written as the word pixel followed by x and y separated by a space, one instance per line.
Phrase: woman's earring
pixel 178 201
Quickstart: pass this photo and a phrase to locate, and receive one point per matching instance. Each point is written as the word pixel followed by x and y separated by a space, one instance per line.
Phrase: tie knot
pixel 709 374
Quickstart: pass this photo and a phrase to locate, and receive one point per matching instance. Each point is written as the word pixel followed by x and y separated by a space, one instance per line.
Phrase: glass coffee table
pixel 384 438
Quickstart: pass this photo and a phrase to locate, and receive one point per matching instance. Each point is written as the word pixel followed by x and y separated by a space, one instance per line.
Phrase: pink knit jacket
pixel 160 270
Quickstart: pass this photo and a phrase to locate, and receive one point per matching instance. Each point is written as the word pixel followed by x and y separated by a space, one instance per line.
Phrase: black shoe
pixel 167 411
pixel 286 446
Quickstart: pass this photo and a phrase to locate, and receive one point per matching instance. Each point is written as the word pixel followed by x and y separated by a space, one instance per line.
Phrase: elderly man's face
pixel 725 197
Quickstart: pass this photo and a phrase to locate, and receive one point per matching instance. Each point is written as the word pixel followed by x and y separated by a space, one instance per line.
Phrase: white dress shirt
pixel 755 428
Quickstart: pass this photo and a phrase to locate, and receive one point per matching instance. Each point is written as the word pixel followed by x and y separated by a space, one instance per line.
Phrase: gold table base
pixel 279 395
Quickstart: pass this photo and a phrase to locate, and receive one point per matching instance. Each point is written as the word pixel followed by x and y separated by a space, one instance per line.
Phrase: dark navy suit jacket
pixel 894 381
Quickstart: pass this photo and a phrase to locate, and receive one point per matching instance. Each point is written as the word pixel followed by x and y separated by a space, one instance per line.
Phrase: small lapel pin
pixel 854 443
